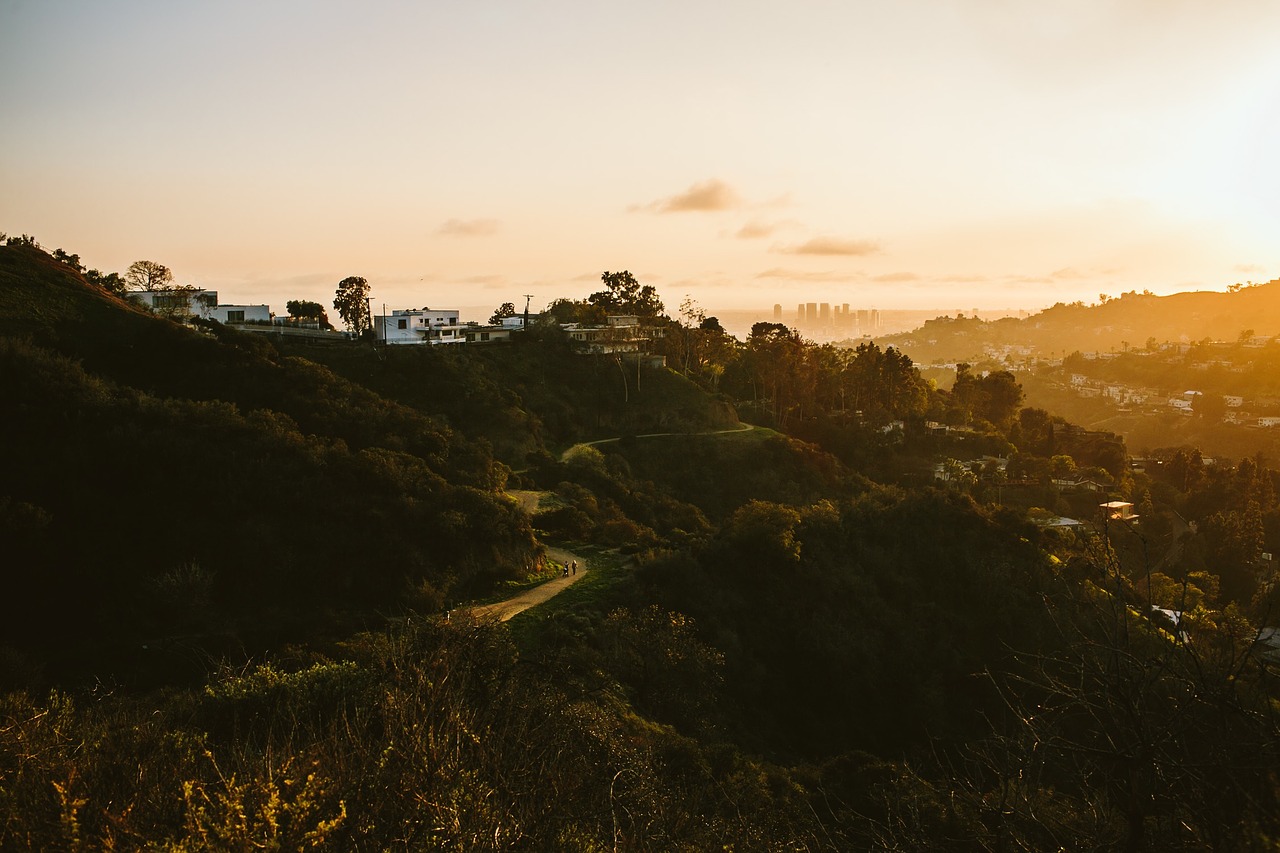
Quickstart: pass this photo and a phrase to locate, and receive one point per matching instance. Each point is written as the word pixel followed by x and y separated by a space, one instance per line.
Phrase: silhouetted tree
pixel 624 295
pixel 506 309
pixel 303 309
pixel 352 303
pixel 148 275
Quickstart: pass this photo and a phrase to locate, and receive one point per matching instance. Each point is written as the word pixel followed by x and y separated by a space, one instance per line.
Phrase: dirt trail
pixel 740 428
pixel 504 610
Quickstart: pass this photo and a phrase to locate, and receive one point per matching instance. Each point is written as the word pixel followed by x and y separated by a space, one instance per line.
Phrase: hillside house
pixel 1269 421
pixel 231 314
pixel 622 334
pixel 1118 511
pixel 422 326
pixel 477 334
pixel 178 301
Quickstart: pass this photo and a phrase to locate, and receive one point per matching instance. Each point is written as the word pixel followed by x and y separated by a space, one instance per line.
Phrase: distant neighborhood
pixel 622 334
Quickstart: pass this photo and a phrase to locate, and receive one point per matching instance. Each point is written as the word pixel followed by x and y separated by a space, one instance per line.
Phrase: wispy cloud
pixel 832 246
pixel 810 275
pixel 1249 268
pixel 755 229
pixel 708 196
pixel 893 277
pixel 487 282
pixel 469 228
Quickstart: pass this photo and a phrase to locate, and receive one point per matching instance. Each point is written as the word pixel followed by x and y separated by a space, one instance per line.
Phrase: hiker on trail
pixel 566 571
pixel 573 564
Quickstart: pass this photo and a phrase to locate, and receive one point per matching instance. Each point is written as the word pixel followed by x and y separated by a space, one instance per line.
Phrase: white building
pixel 227 314
pixel 419 326
pixel 178 301
pixel 183 302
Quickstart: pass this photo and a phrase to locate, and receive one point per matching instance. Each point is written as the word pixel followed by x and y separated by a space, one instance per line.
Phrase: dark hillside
pixel 534 394
pixel 152 491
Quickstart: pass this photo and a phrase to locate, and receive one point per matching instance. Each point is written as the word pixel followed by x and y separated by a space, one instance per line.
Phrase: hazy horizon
pixel 968 152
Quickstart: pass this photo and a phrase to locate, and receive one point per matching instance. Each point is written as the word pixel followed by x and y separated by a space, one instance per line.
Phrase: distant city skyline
pixel 908 155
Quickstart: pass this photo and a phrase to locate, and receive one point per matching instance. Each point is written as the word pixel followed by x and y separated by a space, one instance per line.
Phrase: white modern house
pixel 228 314
pixel 178 301
pixel 419 326
pixel 182 302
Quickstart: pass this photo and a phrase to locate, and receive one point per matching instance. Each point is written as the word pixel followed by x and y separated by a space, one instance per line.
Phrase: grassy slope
pixel 535 395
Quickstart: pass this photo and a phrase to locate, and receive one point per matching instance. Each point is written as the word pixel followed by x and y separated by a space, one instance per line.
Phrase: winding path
pixel 501 611
pixel 738 428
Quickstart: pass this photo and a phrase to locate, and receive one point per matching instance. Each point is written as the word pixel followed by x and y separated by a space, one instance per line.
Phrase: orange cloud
pixel 832 246
pixel 897 277
pixel 754 230
pixel 707 196
pixel 469 227
pixel 809 275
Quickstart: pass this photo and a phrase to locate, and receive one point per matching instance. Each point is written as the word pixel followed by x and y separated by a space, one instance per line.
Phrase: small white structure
pixel 228 314
pixel 1233 401
pixel 419 326
pixel 477 334
pixel 1118 511
pixel 1269 421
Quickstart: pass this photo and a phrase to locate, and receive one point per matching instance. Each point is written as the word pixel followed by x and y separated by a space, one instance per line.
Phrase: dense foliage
pixel 227 561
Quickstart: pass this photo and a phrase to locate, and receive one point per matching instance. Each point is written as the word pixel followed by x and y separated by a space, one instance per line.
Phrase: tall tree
pixel 148 275
pixel 506 309
pixel 352 303
pixel 624 295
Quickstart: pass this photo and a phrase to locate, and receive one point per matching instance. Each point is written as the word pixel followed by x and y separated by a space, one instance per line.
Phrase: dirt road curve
pixel 504 610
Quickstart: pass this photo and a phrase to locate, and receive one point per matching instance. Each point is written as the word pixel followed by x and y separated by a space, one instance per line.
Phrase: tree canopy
pixel 352 303
pixel 304 309
pixel 148 275
pixel 624 295
pixel 506 309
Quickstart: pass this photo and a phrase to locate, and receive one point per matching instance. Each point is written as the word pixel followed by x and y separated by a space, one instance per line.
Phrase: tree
pixel 148 275
pixel 506 309
pixel 110 282
pixel 625 295
pixel 304 309
pixel 352 303
pixel 69 259
pixel 1211 407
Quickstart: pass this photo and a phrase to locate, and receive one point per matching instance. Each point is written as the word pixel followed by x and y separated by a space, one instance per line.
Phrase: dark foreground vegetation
pixel 227 564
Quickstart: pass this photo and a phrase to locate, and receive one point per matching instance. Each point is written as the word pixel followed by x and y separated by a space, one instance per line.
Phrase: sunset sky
pixel 951 153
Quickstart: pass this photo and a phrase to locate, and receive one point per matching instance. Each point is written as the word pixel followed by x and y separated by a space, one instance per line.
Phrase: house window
pixel 235 316
pixel 402 324
pixel 484 336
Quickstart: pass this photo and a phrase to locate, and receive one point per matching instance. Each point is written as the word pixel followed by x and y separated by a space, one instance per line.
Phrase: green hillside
pixel 228 562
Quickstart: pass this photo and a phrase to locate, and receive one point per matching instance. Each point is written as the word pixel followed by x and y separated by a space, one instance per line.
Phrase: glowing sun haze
pixel 908 154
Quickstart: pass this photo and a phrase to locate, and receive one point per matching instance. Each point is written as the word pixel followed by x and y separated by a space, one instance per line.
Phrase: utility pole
pixel 527 297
